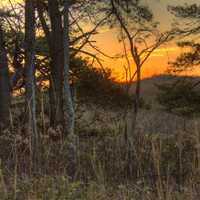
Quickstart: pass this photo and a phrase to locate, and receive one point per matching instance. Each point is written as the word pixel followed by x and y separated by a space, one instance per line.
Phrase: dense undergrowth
pixel 165 161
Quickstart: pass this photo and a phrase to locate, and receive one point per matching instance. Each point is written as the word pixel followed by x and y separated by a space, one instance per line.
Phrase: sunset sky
pixel 107 41
pixel 158 62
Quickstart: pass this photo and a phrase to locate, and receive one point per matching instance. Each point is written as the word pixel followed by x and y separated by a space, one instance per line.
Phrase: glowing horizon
pixel 157 64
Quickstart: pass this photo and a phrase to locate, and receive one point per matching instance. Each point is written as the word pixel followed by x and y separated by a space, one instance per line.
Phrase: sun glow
pixel 107 41
pixel 4 3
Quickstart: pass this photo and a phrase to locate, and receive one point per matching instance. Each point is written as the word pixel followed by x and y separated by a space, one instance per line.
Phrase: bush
pixel 97 85
pixel 181 99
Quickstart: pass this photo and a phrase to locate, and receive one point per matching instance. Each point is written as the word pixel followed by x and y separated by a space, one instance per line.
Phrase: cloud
pixel 155 54
pixel 161 52
pixel 167 49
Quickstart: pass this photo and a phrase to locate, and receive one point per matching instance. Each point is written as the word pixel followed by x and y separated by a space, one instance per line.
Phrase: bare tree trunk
pixel 30 80
pixel 67 99
pixel 57 57
pixel 4 84
pixel 131 124
pixel 136 104
pixel 67 96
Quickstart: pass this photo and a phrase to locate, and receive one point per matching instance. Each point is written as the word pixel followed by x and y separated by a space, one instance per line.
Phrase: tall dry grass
pixel 165 159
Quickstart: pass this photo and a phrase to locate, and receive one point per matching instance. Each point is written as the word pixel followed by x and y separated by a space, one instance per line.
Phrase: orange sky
pixel 157 63
pixel 107 41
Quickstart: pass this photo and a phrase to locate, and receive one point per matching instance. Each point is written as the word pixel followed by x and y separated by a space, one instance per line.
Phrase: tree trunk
pixel 57 57
pixel 67 97
pixel 4 84
pixel 30 79
pixel 68 108
pixel 132 117
pixel 137 89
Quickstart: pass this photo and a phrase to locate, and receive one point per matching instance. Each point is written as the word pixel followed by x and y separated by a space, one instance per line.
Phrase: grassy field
pixel 165 160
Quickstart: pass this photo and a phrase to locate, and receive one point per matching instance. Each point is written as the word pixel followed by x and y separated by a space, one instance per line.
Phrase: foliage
pixel 97 85
pixel 186 24
pixel 181 98
pixel 188 60
pixel 191 11
pixel 188 16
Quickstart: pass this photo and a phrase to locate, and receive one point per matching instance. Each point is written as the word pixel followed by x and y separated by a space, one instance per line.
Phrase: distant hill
pixel 148 85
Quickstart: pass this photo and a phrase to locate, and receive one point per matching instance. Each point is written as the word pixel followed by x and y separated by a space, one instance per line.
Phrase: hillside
pixel 148 85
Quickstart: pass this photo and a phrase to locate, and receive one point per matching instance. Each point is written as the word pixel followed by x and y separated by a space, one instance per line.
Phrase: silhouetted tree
pixel 188 18
pixel 30 78
pixel 68 109
pixel 180 97
pixel 139 32
pixel 187 24
pixel 59 39
pixel 4 83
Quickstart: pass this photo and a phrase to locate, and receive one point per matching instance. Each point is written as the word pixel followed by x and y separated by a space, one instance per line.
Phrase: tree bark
pixel 4 84
pixel 67 96
pixel 30 79
pixel 69 119
pixel 57 62
pixel 137 88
